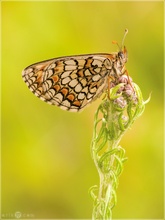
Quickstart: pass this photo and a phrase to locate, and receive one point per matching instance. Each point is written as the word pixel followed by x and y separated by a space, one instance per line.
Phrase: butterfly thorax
pixel 117 67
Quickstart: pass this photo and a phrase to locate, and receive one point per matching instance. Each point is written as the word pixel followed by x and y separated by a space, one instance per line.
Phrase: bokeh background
pixel 46 163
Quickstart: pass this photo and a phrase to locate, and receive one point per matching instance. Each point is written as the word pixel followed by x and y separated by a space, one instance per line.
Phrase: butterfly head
pixel 122 55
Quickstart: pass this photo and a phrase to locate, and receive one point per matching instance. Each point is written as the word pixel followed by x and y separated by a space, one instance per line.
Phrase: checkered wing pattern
pixel 69 82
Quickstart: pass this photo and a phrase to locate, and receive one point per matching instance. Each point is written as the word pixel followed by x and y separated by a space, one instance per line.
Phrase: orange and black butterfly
pixel 73 82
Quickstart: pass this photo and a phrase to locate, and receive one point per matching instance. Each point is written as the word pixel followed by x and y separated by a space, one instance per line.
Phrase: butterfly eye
pixel 121 55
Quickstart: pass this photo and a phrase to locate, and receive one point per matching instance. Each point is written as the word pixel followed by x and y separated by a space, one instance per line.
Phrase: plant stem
pixel 112 119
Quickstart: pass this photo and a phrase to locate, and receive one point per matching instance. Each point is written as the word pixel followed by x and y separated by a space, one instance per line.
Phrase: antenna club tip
pixel 126 31
pixel 114 42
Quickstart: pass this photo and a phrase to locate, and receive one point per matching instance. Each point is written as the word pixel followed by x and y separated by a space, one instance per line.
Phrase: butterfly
pixel 73 82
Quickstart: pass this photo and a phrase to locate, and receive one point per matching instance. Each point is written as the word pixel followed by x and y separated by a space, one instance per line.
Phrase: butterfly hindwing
pixel 69 82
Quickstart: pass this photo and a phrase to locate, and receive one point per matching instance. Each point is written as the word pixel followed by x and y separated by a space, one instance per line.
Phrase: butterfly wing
pixel 69 82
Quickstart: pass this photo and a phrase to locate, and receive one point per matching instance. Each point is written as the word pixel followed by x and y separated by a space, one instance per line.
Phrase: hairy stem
pixel 112 119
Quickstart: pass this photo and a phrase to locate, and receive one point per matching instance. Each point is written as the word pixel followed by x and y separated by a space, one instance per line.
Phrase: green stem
pixel 111 121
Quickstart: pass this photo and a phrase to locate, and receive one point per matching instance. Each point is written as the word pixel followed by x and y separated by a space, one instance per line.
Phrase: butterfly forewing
pixel 69 82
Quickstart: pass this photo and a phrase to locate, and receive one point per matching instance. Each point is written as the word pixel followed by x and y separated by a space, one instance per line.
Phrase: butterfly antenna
pixel 126 32
pixel 115 42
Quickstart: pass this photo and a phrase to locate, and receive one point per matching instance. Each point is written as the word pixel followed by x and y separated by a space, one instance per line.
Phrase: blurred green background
pixel 46 163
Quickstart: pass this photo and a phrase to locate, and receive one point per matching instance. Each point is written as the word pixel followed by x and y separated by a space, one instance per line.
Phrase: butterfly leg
pixel 111 79
pixel 129 81
pixel 109 87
